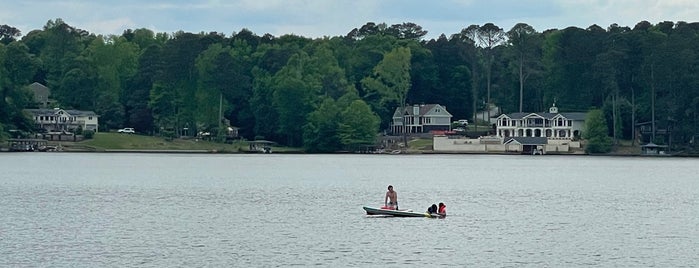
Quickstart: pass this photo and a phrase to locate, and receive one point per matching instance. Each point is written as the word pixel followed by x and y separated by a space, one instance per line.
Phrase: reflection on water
pixel 159 210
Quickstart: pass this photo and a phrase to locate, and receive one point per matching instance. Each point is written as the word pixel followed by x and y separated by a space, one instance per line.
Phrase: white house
pixel 421 119
pixel 552 125
pixel 531 133
pixel 64 120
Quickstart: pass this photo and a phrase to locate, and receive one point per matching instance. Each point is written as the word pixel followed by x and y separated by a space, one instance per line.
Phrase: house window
pixel 428 120
pixel 89 118
pixel 570 123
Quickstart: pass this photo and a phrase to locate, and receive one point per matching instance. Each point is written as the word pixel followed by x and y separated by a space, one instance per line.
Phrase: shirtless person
pixel 393 197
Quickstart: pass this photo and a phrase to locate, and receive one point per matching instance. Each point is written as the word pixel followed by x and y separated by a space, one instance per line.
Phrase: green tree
pixel 59 45
pixel 358 124
pixel 8 34
pixel 17 67
pixel 293 98
pixel 523 43
pixel 490 36
pixel 162 103
pixel 180 75
pixel 595 133
pixel 389 83
pixel 321 132
pixel 214 66
pixel 114 61
pixel 324 70
pixel 468 38
pixel 137 92
pixel 451 85
pixel 262 108
pixel 364 55
pixel 406 30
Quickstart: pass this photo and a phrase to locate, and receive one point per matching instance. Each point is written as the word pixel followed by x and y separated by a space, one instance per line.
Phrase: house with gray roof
pixel 421 118
pixel 41 94
pixel 60 120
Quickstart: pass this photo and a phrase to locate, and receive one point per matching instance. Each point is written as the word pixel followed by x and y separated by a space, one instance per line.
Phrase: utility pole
pixel 652 103
pixel 220 117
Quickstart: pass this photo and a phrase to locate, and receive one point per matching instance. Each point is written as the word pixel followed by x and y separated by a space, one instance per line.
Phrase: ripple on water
pixel 249 211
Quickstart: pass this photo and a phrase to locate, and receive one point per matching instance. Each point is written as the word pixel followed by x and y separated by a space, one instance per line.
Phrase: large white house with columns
pixel 533 133
pixel 552 125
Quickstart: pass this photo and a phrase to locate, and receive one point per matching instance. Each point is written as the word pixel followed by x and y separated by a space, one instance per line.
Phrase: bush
pixel 88 134
pixel 599 145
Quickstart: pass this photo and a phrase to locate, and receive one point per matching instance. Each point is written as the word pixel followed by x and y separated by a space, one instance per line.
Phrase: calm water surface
pixel 171 210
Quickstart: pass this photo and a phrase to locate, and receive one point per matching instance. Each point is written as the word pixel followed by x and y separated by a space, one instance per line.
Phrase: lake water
pixel 179 210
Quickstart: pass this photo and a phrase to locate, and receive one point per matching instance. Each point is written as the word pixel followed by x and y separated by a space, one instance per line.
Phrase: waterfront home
pixel 421 118
pixel 528 133
pixel 60 120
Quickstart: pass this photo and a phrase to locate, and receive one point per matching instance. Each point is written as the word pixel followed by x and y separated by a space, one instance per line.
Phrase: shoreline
pixel 204 151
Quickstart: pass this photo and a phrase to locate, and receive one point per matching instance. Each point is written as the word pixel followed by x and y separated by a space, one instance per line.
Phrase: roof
pixel 528 140
pixel 37 85
pixel 653 145
pixel 571 116
pixel 50 112
pixel 424 109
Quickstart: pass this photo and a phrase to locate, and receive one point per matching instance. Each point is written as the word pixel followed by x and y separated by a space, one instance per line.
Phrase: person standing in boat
pixel 442 210
pixel 391 200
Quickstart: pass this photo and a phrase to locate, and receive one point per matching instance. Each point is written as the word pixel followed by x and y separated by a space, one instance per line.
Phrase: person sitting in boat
pixel 432 209
pixel 442 210
pixel 391 200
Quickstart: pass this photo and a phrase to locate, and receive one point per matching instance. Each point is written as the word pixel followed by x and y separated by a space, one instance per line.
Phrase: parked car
pixel 127 130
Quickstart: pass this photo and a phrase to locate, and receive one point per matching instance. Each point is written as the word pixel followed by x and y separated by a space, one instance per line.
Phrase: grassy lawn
pixel 624 147
pixel 420 144
pixel 117 141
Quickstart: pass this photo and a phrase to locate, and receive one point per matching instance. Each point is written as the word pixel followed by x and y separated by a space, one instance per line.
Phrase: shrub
pixel 88 134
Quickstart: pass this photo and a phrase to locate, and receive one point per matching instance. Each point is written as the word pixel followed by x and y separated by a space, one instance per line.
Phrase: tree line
pixel 326 94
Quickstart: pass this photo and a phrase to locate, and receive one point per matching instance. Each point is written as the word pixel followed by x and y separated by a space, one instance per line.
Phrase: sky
pixel 320 18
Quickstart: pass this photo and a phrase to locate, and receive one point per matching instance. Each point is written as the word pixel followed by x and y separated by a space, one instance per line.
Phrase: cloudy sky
pixel 318 18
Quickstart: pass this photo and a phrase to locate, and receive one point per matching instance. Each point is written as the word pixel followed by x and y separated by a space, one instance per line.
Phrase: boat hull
pixel 398 213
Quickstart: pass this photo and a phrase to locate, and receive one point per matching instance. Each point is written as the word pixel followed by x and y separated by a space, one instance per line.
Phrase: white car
pixel 127 130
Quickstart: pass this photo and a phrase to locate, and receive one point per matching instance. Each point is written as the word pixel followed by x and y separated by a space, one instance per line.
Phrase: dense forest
pixel 328 93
